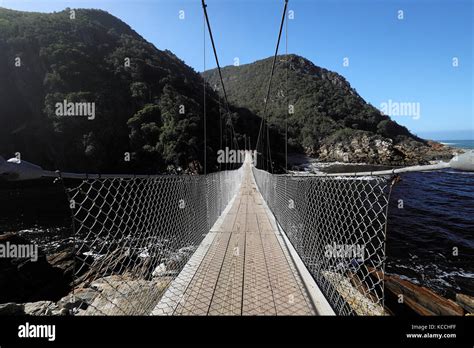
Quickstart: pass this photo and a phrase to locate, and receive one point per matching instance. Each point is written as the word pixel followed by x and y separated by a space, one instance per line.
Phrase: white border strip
pixel 175 292
pixel 319 300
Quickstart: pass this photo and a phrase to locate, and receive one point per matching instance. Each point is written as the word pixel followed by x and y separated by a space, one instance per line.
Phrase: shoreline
pixel 304 164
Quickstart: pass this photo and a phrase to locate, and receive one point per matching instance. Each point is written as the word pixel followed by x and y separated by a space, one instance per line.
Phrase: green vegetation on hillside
pixel 151 107
pixel 324 102
pixel 148 103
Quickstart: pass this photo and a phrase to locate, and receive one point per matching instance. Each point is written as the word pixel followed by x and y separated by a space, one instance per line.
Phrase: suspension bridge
pixel 243 267
pixel 237 242
pixel 234 242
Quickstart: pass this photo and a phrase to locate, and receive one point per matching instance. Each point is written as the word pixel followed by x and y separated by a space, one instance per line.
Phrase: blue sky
pixel 405 61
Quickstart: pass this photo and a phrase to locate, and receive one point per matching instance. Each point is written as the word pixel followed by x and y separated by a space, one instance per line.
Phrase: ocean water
pixel 463 144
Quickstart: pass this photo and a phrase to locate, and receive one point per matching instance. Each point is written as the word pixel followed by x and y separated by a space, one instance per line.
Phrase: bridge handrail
pixel 132 234
pixel 338 228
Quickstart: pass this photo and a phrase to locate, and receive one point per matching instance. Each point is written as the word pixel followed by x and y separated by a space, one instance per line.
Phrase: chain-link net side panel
pixel 134 235
pixel 337 225
pixel 221 187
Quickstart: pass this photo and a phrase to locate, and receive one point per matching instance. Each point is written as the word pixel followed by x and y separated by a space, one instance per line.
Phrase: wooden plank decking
pixel 244 270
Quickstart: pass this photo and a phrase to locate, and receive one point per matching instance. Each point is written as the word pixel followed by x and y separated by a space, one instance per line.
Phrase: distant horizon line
pixel 454 135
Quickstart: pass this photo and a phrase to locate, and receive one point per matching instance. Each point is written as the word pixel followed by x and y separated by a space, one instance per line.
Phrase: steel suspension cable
pixel 264 122
pixel 287 97
pixel 204 102
pixel 233 140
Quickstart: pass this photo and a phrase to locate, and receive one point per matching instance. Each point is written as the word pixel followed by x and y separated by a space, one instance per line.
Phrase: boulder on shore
pixel 365 147
pixel 12 309
pixel 43 308
pixel 30 280
pixel 121 295
pixel 466 302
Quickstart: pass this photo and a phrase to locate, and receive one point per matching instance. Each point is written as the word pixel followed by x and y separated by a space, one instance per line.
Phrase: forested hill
pixel 146 105
pixel 330 120
pixel 138 93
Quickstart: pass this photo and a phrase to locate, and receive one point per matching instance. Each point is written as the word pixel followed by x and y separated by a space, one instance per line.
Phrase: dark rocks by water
pixel 12 309
pixel 25 280
pixel 73 282
pixel 44 308
pixel 64 261
pixel 466 302
pixel 419 300
pixel 375 149
pixel 120 295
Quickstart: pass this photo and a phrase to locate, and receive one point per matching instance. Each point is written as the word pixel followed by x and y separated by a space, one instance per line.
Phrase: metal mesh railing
pixel 133 235
pixel 338 227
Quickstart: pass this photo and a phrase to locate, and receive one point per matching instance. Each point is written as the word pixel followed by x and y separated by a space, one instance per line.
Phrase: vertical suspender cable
pixel 204 78
pixel 287 96
pixel 220 128
pixel 264 121
pixel 233 140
